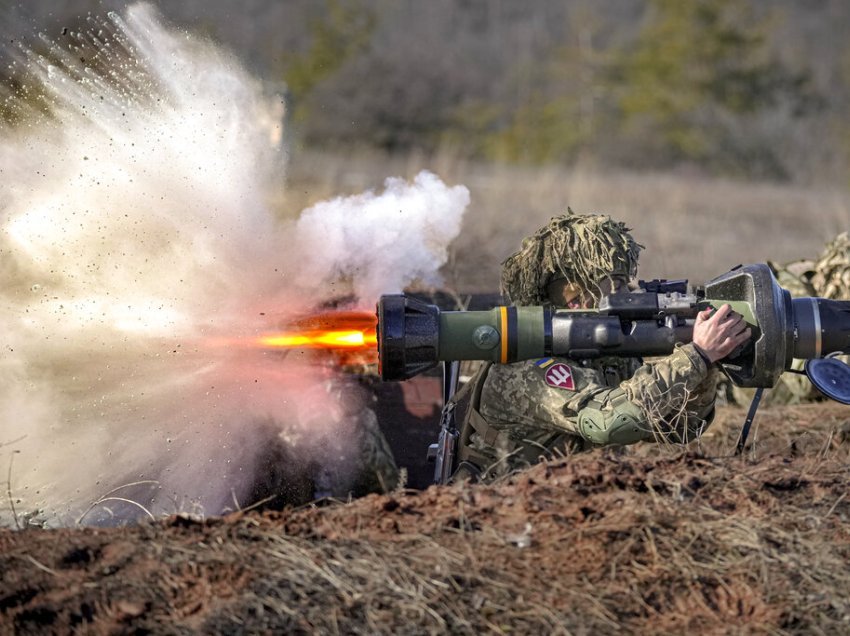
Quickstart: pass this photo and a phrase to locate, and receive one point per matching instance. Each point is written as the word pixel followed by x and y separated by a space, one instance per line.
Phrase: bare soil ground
pixel 644 540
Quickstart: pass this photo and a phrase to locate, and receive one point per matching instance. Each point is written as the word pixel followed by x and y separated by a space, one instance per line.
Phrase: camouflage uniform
pixel 513 414
pixel 352 457
pixel 378 471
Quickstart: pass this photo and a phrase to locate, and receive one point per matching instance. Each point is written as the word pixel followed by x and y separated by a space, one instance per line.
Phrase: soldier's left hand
pixel 718 333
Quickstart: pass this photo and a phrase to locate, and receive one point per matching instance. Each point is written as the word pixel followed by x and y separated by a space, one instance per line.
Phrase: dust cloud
pixel 134 232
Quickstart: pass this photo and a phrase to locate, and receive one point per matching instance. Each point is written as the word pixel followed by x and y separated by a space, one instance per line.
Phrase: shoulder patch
pixel 544 362
pixel 560 376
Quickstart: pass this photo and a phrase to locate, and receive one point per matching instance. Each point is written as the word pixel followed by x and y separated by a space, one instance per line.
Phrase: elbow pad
pixel 620 423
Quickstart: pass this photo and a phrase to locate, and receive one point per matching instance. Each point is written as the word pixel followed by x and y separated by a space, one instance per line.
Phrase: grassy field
pixel 692 226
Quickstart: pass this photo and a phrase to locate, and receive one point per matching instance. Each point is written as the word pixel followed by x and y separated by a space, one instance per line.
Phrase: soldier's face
pixel 564 294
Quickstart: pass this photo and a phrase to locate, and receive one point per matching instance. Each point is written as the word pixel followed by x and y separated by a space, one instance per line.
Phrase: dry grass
pixel 693 227
pixel 638 541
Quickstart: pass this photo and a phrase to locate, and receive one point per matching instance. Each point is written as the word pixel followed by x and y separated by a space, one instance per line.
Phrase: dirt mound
pixel 642 540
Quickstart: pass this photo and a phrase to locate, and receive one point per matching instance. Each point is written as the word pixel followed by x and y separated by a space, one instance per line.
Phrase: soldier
pixel 513 414
pixel 354 458
pixel 339 446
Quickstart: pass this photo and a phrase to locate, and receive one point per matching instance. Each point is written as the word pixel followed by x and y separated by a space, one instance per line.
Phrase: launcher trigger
pixel 705 305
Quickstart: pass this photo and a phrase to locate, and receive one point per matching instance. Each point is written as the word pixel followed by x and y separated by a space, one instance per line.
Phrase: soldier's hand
pixel 719 333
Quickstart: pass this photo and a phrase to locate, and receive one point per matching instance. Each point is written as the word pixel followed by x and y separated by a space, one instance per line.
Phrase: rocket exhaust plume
pixel 331 330
pixel 350 338
pixel 138 255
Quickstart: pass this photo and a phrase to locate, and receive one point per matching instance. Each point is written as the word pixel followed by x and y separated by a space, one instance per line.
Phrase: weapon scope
pixel 414 336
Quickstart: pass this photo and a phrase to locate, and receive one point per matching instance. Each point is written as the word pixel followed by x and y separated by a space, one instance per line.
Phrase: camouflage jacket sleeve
pixel 671 398
pixel 674 398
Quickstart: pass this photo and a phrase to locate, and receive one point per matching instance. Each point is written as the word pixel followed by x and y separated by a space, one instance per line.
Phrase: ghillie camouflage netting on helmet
pixel 832 269
pixel 584 250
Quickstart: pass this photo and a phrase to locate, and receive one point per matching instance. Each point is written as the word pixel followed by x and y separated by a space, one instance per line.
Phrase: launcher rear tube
pixel 510 334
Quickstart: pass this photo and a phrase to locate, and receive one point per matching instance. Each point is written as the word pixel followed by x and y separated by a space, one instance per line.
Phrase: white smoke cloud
pixel 133 229
pixel 383 241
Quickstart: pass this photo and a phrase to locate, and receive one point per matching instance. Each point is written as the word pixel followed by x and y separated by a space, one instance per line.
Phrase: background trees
pixel 750 88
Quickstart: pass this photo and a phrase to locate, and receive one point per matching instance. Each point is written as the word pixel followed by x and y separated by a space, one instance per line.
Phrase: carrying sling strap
pixel 468 399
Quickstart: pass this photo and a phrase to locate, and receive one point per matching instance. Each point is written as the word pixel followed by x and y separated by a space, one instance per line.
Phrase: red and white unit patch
pixel 560 376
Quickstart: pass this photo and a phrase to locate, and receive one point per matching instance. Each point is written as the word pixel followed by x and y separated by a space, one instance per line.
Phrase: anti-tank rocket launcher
pixel 414 336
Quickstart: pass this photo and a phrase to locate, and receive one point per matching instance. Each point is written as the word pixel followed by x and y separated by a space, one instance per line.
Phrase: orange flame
pixel 350 335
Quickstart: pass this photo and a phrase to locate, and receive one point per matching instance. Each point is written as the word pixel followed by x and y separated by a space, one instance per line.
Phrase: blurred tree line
pixel 751 88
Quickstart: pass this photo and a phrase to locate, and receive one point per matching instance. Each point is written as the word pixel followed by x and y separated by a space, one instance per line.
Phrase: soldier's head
pixel 571 262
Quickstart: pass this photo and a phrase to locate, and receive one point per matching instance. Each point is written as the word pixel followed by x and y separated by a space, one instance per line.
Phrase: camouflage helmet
pixel 584 250
pixel 832 269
